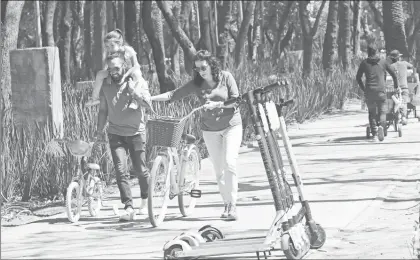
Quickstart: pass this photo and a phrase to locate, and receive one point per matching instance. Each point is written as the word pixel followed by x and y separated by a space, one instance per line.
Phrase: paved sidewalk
pixel 345 177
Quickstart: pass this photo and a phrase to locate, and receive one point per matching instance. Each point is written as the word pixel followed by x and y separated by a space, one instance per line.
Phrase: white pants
pixel 223 147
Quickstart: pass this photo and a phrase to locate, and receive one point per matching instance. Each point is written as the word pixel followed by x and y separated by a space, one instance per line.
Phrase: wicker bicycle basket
pixel 165 132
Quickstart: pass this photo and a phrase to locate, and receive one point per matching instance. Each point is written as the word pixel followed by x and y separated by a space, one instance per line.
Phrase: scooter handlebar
pixel 265 89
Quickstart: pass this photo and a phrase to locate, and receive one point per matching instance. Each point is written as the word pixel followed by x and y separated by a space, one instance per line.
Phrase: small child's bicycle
pixel 175 170
pixel 86 187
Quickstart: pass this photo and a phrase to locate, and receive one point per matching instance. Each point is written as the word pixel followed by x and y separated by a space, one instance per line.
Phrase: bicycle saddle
pixel 190 139
pixel 79 147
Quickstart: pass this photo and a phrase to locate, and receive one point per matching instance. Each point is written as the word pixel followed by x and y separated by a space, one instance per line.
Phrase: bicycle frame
pixel 176 160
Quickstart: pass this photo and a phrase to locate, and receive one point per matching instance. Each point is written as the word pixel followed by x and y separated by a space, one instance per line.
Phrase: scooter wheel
pixel 171 251
pixel 211 234
pixel 291 252
pixel 399 127
pixel 367 132
pixel 319 241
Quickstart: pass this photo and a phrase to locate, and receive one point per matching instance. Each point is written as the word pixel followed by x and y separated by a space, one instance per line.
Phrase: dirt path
pixel 358 192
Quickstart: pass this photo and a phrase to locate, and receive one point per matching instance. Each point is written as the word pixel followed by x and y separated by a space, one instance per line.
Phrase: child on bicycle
pixel 116 46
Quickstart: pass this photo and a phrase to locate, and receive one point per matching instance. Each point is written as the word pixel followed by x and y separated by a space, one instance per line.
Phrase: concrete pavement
pixel 348 180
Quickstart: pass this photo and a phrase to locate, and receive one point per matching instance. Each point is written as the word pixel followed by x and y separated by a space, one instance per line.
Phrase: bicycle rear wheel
pixel 189 180
pixel 159 186
pixel 72 202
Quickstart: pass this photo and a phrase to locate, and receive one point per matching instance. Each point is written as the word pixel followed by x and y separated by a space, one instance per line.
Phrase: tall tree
pixel 205 41
pixel 66 43
pixel 281 28
pixel 240 41
pixel 330 40
pixel 256 32
pixel 110 10
pixel 344 33
pixel 224 27
pixel 356 26
pixel 87 39
pixel 152 23
pixel 394 29
pixel 130 21
pixel 49 21
pixel 184 19
pixel 99 34
pixel 9 35
pixel 121 15
pixel 308 34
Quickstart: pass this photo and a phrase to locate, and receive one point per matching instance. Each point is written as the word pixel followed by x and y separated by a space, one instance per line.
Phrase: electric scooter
pixel 294 234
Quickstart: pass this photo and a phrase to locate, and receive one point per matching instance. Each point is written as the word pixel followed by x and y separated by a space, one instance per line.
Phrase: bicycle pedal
pixel 195 193
pixel 172 195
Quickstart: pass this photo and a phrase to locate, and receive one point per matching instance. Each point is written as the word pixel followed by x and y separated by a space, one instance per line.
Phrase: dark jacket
pixel 375 70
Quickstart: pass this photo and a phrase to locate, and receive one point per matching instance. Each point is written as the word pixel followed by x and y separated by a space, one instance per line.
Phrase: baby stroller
pixel 393 114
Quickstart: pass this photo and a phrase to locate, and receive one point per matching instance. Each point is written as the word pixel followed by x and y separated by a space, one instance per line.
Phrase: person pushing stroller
pixel 374 68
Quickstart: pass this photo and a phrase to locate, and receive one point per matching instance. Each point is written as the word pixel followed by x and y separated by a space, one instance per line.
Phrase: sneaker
pixel 232 214
pixel 93 102
pixel 143 210
pixel 133 104
pixel 381 133
pixel 374 139
pixel 128 215
pixel 226 212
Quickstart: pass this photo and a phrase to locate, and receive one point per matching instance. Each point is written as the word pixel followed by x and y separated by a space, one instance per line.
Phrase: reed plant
pixel 36 166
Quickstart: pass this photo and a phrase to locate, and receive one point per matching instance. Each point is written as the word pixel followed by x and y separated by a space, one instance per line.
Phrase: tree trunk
pixel 184 18
pixel 99 34
pixel 130 21
pixel 57 24
pixel 240 41
pixel 152 24
pixel 308 34
pixel 121 16
pixel 87 40
pixel 330 40
pixel 394 30
pixel 205 42
pixel 9 30
pixel 282 26
pixel 9 36
pixel 77 44
pixel 49 21
pixel 177 31
pixel 356 27
pixel 38 32
pixel 224 23
pixel 110 6
pixel 67 23
pixel 344 35
pixel 175 45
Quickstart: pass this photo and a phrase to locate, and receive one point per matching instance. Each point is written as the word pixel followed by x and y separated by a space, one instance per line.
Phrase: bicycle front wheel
pixel 73 208
pixel 95 197
pixel 189 180
pixel 159 186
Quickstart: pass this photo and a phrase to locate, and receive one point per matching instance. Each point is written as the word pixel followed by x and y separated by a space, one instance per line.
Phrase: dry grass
pixel 37 167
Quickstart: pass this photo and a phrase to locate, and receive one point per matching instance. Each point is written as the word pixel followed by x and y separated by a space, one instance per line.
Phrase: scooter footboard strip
pixel 222 242
pixel 226 249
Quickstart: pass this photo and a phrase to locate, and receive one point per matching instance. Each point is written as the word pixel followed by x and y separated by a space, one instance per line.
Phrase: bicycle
pixel 86 185
pixel 168 176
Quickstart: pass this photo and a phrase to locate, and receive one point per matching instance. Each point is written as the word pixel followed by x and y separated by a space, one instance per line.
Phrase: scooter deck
pixel 227 247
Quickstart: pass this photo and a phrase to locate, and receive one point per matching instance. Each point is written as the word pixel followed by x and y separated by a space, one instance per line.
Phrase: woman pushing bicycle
pixel 221 125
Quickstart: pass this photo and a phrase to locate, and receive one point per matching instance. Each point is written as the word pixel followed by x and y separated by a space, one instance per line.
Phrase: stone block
pixel 36 88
